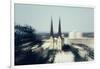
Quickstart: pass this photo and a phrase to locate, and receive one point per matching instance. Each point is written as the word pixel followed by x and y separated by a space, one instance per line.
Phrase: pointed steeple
pixel 59 28
pixel 51 31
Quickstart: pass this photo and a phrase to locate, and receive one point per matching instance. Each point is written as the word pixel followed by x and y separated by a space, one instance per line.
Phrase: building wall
pixel 87 41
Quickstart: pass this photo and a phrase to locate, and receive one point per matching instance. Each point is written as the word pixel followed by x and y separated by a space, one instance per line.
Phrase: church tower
pixel 59 29
pixel 60 41
pixel 56 43
pixel 51 35
pixel 51 30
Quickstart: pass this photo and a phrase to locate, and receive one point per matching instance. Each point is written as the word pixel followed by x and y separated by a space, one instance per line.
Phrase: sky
pixel 78 19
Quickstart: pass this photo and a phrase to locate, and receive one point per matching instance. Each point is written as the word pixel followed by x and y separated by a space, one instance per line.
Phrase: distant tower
pixel 51 35
pixel 59 29
pixel 60 38
pixel 51 31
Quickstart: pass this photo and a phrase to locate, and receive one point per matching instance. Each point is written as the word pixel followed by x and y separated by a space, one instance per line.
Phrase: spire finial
pixel 51 32
pixel 59 28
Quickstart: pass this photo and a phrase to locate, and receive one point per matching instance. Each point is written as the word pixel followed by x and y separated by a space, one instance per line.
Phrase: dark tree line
pixel 25 38
pixel 24 34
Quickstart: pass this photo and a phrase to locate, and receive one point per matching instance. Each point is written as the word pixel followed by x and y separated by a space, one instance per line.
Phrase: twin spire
pixel 59 28
pixel 51 32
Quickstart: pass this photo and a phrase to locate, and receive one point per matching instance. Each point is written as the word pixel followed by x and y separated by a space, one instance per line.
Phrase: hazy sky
pixel 39 17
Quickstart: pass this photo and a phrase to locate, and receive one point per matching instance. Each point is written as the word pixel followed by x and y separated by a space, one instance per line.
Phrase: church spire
pixel 59 28
pixel 51 31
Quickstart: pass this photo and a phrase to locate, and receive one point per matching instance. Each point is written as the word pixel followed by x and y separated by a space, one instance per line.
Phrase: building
pixel 56 42
pixel 75 35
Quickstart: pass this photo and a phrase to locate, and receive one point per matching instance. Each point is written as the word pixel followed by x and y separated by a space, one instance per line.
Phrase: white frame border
pixel 12 30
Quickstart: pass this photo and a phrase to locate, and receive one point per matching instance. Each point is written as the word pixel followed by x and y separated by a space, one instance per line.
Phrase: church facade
pixel 56 42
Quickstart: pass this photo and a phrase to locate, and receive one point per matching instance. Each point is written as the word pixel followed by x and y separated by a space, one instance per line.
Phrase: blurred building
pixel 56 42
pixel 75 35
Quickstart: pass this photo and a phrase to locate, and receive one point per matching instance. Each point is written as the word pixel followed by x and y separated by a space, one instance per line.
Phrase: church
pixel 56 42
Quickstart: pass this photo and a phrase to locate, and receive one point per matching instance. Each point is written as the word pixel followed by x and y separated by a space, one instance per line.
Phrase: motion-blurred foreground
pixel 43 48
